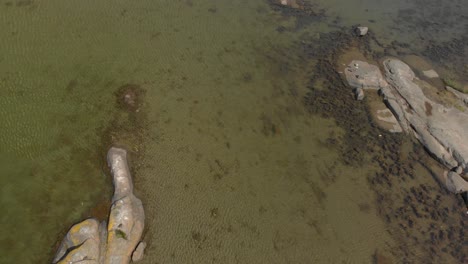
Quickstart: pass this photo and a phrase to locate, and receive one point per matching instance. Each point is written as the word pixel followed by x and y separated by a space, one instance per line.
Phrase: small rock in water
pixel 290 3
pixel 431 74
pixel 139 251
pixel 359 92
pixel 362 31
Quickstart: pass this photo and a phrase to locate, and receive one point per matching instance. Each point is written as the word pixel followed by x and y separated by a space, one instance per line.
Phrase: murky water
pixel 242 153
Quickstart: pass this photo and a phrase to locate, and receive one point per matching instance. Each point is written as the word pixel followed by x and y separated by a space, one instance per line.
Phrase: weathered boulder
pixel 115 242
pixel 80 244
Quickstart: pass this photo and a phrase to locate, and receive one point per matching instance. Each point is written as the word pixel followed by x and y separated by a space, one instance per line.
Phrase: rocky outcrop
pixel 115 242
pixel 441 128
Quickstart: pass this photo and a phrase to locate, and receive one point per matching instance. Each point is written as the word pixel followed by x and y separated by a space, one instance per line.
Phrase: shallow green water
pixel 231 166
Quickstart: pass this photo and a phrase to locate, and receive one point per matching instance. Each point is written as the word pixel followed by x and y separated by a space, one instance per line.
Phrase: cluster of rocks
pixel 115 242
pixel 441 127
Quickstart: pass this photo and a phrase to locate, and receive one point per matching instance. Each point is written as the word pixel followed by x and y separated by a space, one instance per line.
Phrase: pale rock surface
pixel 442 130
pixel 80 244
pixel 360 74
pixel 362 31
pixel 431 74
pixel 126 219
pixel 115 242
pixel 139 252
pixel 461 96
pixel 455 183
pixel 387 116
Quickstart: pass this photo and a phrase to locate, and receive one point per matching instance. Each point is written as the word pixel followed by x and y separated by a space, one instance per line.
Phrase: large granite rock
pixel 113 243
pixel 441 128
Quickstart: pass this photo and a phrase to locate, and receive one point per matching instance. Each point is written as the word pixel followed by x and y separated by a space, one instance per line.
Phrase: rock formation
pixel 92 242
pixel 441 127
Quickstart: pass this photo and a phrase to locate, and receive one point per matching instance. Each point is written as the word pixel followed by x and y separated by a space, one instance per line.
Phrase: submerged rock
pixel 93 242
pixel 431 74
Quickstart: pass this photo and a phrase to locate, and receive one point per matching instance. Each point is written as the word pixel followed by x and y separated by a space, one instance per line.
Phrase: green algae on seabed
pixel 232 165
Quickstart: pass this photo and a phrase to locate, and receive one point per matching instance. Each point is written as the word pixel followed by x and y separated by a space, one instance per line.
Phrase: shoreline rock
pixel 111 243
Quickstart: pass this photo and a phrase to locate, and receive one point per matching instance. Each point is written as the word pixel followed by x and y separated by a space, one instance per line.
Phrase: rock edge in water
pixel 114 242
